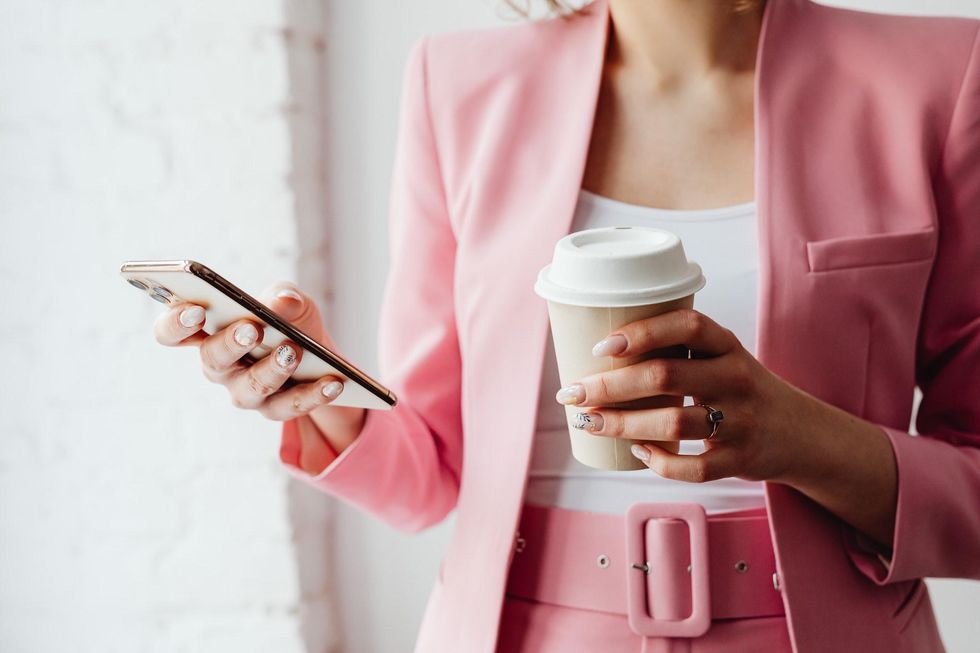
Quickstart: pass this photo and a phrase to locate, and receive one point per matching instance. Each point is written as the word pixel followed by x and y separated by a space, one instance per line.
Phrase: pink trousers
pixel 531 627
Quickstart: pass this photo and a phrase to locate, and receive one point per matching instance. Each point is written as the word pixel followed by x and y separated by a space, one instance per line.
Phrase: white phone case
pixel 175 281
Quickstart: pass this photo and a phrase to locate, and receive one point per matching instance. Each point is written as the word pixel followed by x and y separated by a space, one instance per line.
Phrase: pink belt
pixel 668 567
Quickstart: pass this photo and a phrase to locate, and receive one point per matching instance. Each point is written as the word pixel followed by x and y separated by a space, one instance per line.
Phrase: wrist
pixel 339 426
pixel 846 464
pixel 813 447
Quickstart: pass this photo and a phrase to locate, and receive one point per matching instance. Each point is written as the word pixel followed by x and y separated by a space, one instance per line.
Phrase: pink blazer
pixel 868 195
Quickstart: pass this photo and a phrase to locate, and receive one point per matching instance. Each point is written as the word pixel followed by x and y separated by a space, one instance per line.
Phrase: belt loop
pixel 665 645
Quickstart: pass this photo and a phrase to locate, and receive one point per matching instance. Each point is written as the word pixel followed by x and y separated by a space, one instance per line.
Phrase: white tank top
pixel 723 242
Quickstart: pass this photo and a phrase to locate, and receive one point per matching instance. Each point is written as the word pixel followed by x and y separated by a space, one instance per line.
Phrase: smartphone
pixel 171 282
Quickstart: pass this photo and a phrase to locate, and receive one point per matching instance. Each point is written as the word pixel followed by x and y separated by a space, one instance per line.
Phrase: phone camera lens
pixel 161 294
pixel 137 283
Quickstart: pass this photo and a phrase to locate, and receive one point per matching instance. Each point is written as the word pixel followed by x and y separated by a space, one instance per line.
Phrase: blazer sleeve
pixel 404 466
pixel 937 528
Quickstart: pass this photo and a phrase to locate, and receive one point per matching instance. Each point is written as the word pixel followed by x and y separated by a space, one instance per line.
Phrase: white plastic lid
pixel 619 266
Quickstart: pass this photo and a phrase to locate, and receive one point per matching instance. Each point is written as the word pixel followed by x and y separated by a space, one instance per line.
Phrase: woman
pixel 863 133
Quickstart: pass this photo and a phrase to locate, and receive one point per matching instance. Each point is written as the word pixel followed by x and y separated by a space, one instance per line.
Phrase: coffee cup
pixel 598 281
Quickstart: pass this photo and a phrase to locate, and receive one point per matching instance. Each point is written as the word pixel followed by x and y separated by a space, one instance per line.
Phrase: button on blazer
pixel 867 183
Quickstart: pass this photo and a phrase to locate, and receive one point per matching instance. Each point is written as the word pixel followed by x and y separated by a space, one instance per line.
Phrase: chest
pixel 687 148
pixel 844 239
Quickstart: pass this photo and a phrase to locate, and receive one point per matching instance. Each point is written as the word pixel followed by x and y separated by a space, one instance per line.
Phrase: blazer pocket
pixel 846 252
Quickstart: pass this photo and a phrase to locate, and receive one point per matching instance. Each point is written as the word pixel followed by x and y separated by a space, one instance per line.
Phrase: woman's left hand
pixel 761 436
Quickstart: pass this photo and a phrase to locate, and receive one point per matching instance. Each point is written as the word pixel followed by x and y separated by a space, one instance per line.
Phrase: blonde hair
pixel 561 8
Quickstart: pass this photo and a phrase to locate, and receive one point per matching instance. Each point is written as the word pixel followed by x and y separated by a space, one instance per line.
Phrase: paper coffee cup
pixel 600 280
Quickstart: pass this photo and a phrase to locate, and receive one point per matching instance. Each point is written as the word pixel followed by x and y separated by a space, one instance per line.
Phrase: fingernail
pixel 573 394
pixel 289 293
pixel 191 316
pixel 246 335
pixel 332 389
pixel 285 355
pixel 588 421
pixel 640 452
pixel 610 346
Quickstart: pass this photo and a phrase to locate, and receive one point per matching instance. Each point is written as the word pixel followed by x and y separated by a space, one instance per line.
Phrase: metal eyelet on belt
pixel 602 561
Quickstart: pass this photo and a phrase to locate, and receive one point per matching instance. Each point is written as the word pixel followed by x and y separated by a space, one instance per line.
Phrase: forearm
pixel 396 467
pixel 846 464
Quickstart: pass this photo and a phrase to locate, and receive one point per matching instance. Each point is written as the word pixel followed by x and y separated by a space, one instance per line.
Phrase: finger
pixel 684 326
pixel 299 309
pixel 648 378
pixel 713 464
pixel 221 352
pixel 250 386
pixel 673 423
pixel 176 326
pixel 302 398
pixel 292 304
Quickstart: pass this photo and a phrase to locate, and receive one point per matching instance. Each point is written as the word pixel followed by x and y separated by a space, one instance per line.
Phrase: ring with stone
pixel 714 416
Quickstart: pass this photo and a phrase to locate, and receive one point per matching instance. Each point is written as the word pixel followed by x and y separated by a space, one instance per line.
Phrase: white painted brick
pixel 139 511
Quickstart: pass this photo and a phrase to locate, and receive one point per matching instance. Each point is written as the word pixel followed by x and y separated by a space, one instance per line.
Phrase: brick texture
pixel 139 511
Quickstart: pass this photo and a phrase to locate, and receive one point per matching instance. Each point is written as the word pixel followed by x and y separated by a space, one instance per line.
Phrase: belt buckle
pixel 640 620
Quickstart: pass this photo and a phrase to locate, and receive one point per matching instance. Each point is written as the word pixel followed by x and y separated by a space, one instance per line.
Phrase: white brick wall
pixel 139 511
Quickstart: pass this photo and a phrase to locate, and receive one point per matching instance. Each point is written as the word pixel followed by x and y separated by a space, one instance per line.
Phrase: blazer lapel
pixel 544 174
pixel 551 137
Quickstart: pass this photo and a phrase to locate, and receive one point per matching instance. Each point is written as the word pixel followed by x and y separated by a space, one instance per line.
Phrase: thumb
pixel 295 306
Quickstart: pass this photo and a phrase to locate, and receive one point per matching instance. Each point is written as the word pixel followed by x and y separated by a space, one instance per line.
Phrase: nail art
pixel 332 389
pixel 191 316
pixel 640 452
pixel 588 421
pixel 246 335
pixel 610 346
pixel 285 355
pixel 573 394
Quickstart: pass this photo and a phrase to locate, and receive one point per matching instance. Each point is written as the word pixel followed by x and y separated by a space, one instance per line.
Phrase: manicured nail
pixel 285 356
pixel 610 346
pixel 640 452
pixel 588 421
pixel 246 335
pixel 191 316
pixel 332 390
pixel 289 293
pixel 573 394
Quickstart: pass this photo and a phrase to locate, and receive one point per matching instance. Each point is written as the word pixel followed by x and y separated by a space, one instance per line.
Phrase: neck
pixel 678 40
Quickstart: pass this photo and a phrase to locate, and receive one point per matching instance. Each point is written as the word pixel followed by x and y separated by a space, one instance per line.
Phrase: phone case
pixel 170 282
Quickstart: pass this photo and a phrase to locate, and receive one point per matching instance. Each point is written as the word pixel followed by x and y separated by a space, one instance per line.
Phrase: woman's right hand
pixel 258 386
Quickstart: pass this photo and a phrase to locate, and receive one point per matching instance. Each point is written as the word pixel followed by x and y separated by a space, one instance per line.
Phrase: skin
pixel 324 430
pixel 696 59
pixel 673 129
